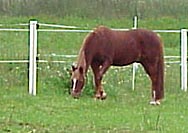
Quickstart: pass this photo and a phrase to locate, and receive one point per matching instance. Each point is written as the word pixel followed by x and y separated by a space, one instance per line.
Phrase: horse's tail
pixel 161 75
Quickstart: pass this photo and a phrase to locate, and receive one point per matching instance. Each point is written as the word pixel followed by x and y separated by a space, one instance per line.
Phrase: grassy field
pixel 54 110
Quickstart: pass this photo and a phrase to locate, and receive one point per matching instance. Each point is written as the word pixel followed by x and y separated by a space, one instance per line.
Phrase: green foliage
pixel 53 77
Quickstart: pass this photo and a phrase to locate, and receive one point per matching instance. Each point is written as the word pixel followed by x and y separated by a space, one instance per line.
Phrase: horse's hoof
pixel 157 102
pixel 103 96
pixel 153 102
pixel 97 96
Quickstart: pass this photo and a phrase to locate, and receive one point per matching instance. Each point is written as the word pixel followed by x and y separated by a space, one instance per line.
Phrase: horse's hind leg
pixel 155 71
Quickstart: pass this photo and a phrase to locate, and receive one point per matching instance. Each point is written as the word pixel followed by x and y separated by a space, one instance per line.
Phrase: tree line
pixel 95 8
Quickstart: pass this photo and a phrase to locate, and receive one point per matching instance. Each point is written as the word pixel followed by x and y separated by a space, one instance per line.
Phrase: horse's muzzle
pixel 75 95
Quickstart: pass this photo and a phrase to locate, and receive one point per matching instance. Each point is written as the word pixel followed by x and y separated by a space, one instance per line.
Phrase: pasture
pixel 54 110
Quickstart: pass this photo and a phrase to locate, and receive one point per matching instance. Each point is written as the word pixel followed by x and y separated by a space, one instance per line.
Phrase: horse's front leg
pixel 99 71
pixel 100 93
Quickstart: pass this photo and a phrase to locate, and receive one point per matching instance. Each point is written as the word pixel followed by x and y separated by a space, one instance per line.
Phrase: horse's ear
pixel 81 70
pixel 73 68
pixel 69 71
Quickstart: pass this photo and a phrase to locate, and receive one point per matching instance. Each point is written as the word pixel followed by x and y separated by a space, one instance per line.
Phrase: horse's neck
pixel 82 61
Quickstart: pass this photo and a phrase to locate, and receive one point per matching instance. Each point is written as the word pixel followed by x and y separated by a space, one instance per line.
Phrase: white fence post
pixel 135 65
pixel 32 58
pixel 184 59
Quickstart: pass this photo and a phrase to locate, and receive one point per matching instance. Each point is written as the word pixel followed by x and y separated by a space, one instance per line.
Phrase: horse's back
pixel 149 42
pixel 134 45
pixel 136 38
pixel 122 47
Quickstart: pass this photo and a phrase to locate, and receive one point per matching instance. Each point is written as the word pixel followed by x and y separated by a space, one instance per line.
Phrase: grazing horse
pixel 104 47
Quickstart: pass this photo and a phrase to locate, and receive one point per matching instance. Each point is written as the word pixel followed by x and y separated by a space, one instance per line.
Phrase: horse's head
pixel 77 79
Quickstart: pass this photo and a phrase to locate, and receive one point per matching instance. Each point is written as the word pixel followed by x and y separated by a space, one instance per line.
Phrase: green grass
pixel 127 111
pixel 54 110
pixel 124 110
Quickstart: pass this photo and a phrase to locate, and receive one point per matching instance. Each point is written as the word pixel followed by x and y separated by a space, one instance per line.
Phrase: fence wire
pixel 58 50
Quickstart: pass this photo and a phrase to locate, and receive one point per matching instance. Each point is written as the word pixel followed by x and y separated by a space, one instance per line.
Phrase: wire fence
pixel 53 64
pixel 70 29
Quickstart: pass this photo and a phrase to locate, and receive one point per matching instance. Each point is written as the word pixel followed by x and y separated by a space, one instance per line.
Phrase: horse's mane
pixel 99 31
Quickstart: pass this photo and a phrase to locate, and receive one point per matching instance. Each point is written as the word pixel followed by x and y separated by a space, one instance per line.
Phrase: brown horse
pixel 104 47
